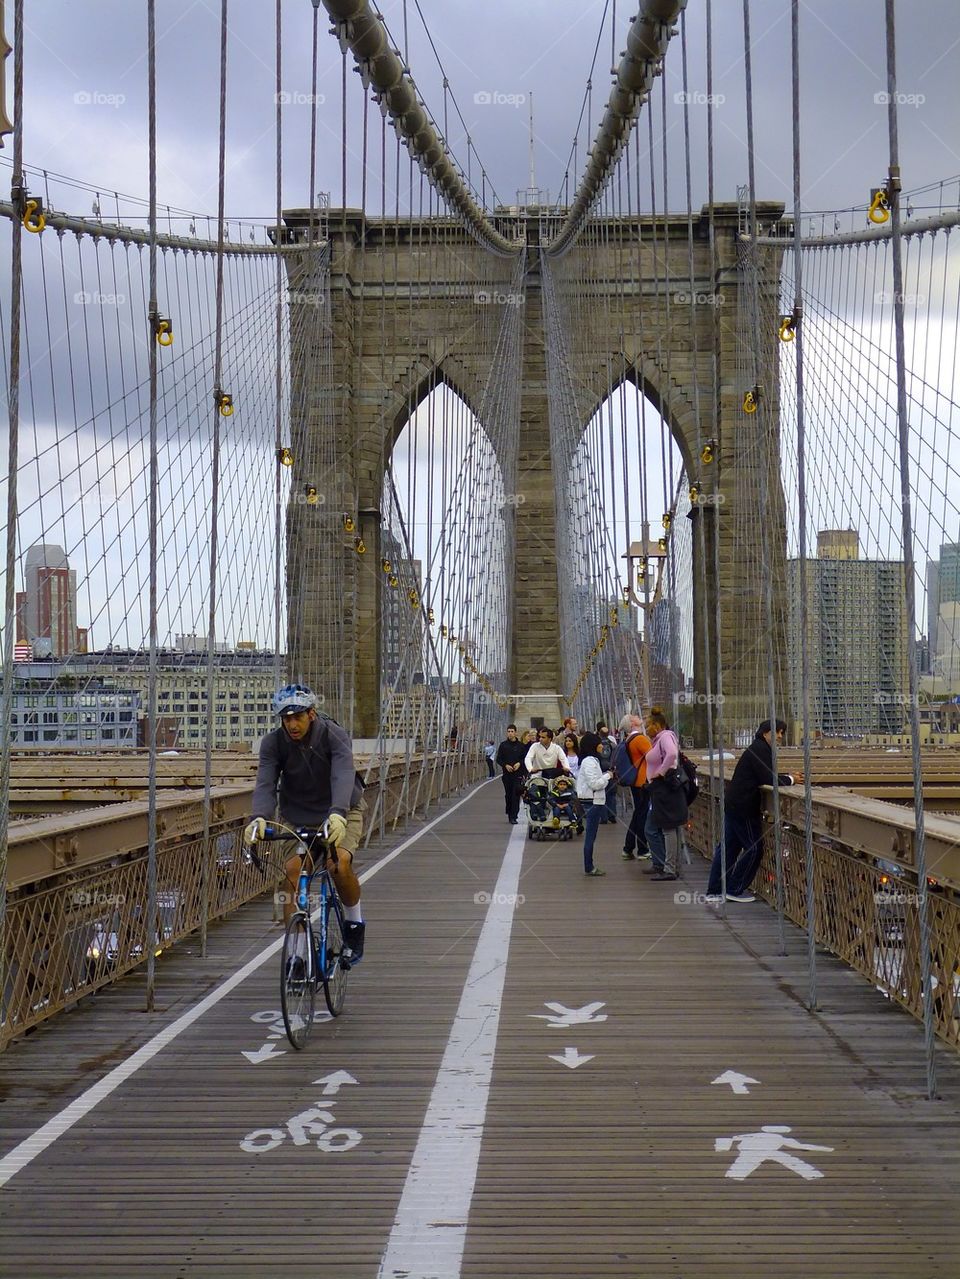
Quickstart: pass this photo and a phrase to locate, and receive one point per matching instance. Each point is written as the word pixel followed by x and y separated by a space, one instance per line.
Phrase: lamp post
pixel 645 559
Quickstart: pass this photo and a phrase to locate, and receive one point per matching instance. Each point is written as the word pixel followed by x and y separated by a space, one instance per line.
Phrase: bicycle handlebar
pixel 307 834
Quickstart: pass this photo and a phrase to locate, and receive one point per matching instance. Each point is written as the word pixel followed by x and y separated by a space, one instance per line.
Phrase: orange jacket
pixel 637 747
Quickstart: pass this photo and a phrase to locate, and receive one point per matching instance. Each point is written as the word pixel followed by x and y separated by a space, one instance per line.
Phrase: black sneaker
pixel 628 855
pixel 353 941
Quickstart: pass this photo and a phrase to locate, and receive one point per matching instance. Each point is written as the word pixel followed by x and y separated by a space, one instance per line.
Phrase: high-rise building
pixel 856 624
pixel 933 612
pixel 947 591
pixel 50 602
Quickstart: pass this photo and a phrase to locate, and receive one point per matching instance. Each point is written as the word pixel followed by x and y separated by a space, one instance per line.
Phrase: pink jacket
pixel 662 755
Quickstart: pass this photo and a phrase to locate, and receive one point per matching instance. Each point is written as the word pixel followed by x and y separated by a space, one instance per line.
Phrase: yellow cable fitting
pixel 163 330
pixel 393 580
pixel 33 217
pixel 709 452
pixel 359 546
pixel 443 631
pixel 879 210
pixel 313 497
pixel 386 566
pixel 285 456
pixel 414 599
pixel 667 521
pixel 788 328
pixel 662 543
pixel 430 617
pixel 751 400
pixel 694 494
pixel 348 524
pixel 224 403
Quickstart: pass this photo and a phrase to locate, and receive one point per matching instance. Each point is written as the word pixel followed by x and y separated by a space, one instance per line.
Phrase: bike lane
pixel 662 1105
pixel 228 1152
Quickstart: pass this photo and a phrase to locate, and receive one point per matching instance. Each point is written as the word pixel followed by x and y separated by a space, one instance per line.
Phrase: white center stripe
pixel 430 1228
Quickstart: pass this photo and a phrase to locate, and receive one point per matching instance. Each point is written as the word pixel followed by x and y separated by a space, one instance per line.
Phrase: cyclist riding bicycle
pixel 308 764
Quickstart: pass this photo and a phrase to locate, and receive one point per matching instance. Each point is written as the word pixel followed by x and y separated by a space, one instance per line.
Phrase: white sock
pixel 352 914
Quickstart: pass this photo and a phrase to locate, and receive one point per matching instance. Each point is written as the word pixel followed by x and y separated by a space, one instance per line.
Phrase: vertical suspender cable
pixel 154 486
pixel 278 558
pixel 765 478
pixel 13 455
pixel 920 856
pixel 214 493
pixel 718 604
pixel 802 516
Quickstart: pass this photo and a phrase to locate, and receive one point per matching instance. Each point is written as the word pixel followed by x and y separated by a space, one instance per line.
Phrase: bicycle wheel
pixel 333 971
pixel 298 980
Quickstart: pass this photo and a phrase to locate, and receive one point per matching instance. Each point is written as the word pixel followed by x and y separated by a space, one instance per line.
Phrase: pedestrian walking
pixel 511 754
pixel 489 754
pixel 546 757
pixel 743 817
pixel 667 813
pixel 592 793
pixel 608 744
pixel 634 744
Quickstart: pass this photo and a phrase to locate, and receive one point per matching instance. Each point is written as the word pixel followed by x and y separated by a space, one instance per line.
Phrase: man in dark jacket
pixel 743 821
pixel 511 754
pixel 307 764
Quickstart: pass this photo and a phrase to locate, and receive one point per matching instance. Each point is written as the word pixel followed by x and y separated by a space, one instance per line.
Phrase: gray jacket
pixel 316 776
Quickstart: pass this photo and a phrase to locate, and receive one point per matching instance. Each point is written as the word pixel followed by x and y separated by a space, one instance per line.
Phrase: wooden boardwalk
pixel 585 1145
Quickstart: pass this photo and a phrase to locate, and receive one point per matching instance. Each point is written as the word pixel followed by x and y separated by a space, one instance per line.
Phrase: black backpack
pixel 687 772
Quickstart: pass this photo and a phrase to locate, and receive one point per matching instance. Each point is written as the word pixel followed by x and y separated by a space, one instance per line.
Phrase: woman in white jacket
pixel 592 793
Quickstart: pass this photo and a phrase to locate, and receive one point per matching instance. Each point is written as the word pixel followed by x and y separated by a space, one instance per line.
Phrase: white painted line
pixel 430 1227
pixel 37 1142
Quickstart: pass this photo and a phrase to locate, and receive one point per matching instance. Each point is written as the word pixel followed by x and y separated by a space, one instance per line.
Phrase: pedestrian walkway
pixel 638 1091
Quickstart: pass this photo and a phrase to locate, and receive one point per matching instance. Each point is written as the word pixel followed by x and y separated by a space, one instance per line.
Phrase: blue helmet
pixel 293 697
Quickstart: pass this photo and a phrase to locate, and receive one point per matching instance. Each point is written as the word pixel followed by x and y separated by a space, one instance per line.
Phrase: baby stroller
pixel 550 810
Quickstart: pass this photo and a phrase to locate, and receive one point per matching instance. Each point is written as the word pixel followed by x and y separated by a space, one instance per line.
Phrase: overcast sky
pixel 85 87
pixel 85 100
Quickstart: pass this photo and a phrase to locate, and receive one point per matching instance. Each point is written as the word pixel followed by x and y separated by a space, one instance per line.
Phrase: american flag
pixel 22 653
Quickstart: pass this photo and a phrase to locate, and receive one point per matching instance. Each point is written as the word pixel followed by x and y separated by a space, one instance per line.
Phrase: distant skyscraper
pixel 947 591
pixel 50 622
pixel 933 611
pixel 855 618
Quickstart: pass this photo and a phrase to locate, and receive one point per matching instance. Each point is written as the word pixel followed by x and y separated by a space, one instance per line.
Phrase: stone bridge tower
pixel 397 335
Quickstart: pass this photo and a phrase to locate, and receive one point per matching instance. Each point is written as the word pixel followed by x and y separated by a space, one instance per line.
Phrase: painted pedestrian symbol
pixel 768 1146
pixel 562 1017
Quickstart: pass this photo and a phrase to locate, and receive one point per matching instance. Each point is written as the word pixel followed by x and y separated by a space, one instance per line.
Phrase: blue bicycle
pixel 312 954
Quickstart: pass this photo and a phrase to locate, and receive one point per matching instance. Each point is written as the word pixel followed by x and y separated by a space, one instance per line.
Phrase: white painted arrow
pixel 736 1081
pixel 263 1054
pixel 562 1016
pixel 333 1083
pixel 571 1058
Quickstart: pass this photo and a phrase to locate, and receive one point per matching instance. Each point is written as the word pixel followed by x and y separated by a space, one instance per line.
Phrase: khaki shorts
pixel 351 839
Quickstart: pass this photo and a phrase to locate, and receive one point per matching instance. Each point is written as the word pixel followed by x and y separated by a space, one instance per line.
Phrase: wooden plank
pixel 606 1170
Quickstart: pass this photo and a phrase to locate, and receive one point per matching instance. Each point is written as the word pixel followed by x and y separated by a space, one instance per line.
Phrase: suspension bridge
pixel 457 461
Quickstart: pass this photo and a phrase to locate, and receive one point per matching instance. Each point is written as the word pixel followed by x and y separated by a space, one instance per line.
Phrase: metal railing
pixel 867 905
pixel 76 912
